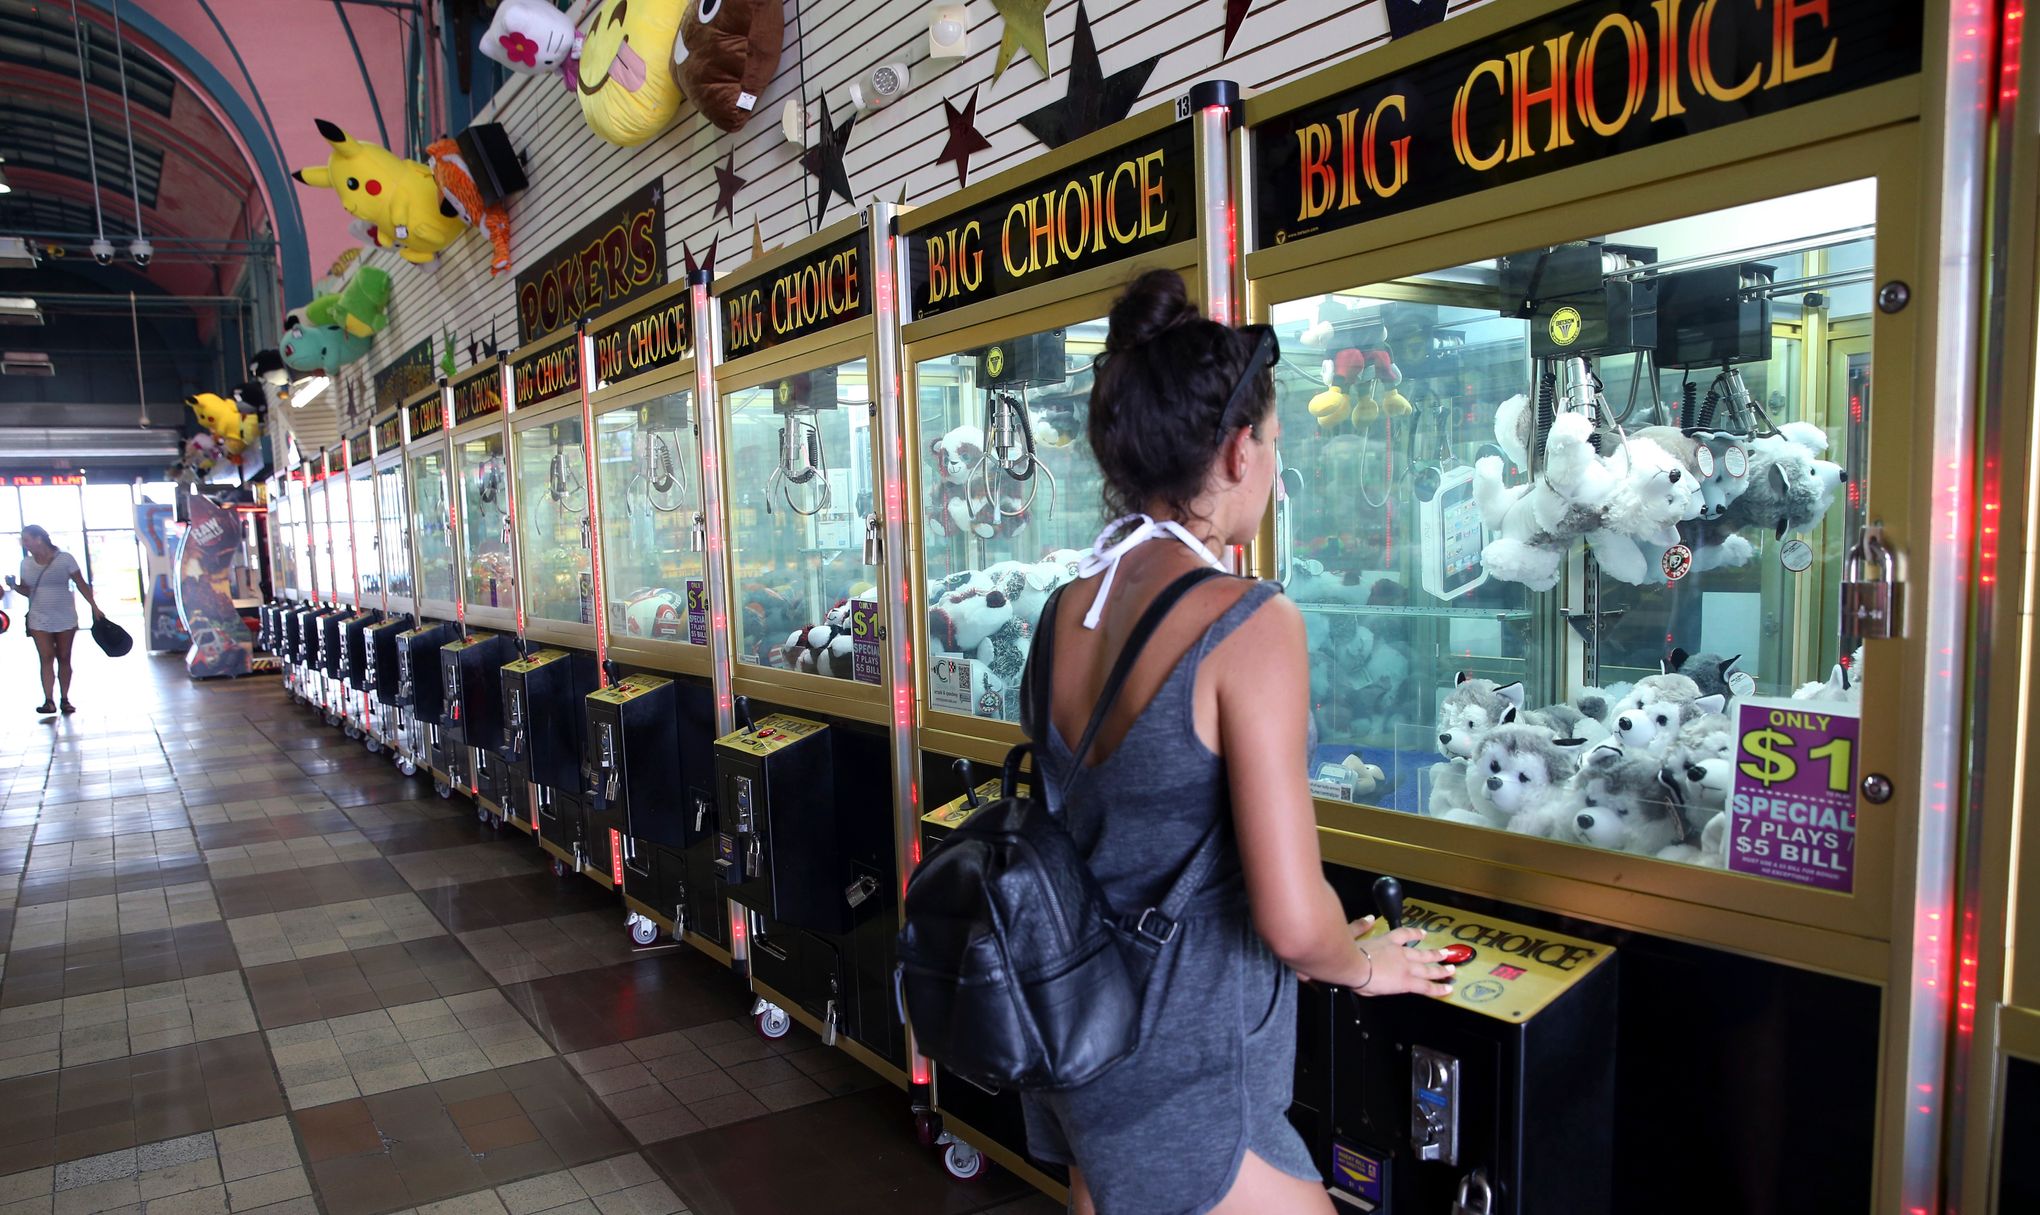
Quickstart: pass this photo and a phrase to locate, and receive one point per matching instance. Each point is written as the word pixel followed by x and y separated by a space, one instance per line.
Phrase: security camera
pixel 141 250
pixel 880 86
pixel 102 251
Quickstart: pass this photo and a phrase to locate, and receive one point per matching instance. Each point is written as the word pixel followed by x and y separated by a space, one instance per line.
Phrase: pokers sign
pixel 1132 200
pixel 826 288
pixel 1589 82
pixel 613 259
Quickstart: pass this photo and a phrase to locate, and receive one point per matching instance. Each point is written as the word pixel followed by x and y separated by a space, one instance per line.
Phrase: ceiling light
pixel 4 187
pixel 24 362
pixel 18 310
pixel 17 254
pixel 308 390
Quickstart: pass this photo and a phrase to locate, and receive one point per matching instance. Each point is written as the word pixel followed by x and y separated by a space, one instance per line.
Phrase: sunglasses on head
pixel 1267 351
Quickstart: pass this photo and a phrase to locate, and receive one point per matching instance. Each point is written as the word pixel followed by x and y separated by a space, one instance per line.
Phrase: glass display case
pixel 1552 517
pixel 488 563
pixel 649 461
pixel 800 493
pixel 431 527
pixel 552 514
pixel 319 538
pixel 1010 499
pixel 283 527
pixel 368 544
pixel 338 510
pixel 394 513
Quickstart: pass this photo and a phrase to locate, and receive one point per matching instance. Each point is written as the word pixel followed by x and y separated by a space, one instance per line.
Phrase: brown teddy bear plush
pixel 728 52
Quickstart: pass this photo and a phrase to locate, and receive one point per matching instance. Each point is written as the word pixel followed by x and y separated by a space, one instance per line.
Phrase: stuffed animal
pixel 532 36
pixel 1658 493
pixel 1650 718
pixel 1697 769
pixel 320 349
pixel 268 366
pixel 727 54
pixel 1790 488
pixel 1535 524
pixel 960 506
pixel 224 420
pixel 963 620
pixel 653 612
pixel 457 184
pixel 825 648
pixel 1720 481
pixel 1470 710
pixel 1620 802
pixel 1003 655
pixel 1518 770
pixel 361 306
pixel 625 75
pixel 397 197
pixel 1709 672
pixel 1351 778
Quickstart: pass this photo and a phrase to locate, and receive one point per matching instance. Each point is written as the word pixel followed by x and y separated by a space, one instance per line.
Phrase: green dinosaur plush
pixel 361 307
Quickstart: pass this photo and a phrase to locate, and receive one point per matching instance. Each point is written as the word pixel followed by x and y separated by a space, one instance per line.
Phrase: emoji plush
pixel 398 198
pixel 457 184
pixel 727 54
pixel 625 78
pixel 532 36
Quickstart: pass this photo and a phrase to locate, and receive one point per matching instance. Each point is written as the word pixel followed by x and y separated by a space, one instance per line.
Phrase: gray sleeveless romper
pixel 1165 1130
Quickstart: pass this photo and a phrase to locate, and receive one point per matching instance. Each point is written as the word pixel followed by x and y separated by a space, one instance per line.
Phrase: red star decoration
pixel 707 263
pixel 964 138
pixel 727 183
pixel 1235 14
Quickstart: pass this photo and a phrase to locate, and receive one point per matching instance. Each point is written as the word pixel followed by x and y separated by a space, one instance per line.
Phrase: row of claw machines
pixel 1625 407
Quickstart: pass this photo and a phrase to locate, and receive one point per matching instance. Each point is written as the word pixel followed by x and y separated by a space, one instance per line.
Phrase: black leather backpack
pixel 1015 970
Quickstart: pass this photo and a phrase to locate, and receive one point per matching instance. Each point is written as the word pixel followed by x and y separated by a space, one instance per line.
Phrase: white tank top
pixel 51 609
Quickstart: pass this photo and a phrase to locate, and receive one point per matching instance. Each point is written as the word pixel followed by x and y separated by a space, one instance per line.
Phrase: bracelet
pixel 1370 966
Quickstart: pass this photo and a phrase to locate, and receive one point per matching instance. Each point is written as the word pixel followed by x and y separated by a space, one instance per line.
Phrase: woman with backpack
pixel 47 575
pixel 1197 765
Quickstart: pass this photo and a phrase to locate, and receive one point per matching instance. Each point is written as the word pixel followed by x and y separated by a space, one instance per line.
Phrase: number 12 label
pixel 1792 803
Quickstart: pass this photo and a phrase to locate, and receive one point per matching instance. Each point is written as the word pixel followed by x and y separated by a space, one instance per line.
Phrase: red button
pixel 1457 955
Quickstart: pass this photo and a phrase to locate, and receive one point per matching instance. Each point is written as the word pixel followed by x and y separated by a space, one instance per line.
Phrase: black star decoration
pixel 707 263
pixel 963 136
pixel 1235 15
pixel 1094 100
pixel 825 162
pixel 727 183
pixel 1406 17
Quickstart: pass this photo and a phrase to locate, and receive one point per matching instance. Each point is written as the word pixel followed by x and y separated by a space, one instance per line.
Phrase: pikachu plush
pixel 398 199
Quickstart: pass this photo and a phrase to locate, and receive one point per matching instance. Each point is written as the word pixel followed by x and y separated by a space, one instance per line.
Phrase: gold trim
pixel 673 657
pixel 1104 282
pixel 848 1045
pixel 862 329
pixel 1012 1161
pixel 560 632
pixel 643 303
pixel 799 690
pixel 598 876
pixel 645 909
pixel 706 946
pixel 667 380
pixel 557 853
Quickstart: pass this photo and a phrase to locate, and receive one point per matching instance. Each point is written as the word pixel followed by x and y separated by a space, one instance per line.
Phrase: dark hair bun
pixel 1154 303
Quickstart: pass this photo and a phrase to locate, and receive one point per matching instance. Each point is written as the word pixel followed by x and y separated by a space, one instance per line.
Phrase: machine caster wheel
pixel 927 1127
pixel 373 745
pixel 351 730
pixel 774 1022
pixel 964 1162
pixel 642 930
pixel 482 815
pixel 559 868
pixel 407 767
pixel 443 789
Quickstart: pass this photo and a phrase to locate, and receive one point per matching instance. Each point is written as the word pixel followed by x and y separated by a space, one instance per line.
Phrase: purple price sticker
pixel 1792 806
pixel 697 612
pixel 864 640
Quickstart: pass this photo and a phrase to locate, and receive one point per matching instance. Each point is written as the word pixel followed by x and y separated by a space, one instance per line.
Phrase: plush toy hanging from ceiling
pixel 319 349
pixel 533 37
pixel 398 198
pixel 625 77
pixel 337 328
pixel 224 420
pixel 457 184
pixel 728 52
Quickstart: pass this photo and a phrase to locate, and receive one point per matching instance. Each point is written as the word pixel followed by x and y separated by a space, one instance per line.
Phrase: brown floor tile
pixel 507 1132
pixel 344 1128
pixel 359 1185
pixel 478 1110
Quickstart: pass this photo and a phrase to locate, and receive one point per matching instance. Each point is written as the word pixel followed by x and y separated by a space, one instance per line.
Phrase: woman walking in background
pixel 47 575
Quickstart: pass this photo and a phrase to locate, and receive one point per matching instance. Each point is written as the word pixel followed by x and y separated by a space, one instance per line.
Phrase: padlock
pixel 1476 1196
pixel 699 531
pixel 872 544
pixel 1871 606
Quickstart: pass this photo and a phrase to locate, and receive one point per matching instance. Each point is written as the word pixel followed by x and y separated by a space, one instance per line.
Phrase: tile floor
pixel 247 968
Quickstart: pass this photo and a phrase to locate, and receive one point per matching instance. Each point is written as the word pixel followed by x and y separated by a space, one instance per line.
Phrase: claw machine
pixel 435 578
pixel 470 666
pixel 1005 289
pixel 1622 390
pixel 364 522
pixel 336 533
pixel 554 670
pixel 812 756
pixel 647 456
pixel 382 669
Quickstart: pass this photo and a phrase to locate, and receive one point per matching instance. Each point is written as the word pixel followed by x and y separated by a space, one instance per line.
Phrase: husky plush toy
pixel 1708 671
pixel 1517 770
pixel 1659 492
pixel 1721 486
pixel 1788 488
pixel 1622 803
pixel 1698 768
pixel 1651 716
pixel 1843 683
pixel 1470 710
pixel 1535 524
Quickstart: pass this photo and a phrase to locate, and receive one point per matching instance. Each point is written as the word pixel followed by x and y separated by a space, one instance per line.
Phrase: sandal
pixel 69 707
pixel 45 709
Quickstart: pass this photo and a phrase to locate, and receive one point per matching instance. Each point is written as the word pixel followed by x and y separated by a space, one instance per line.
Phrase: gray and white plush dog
pixel 1518 770
pixel 1698 768
pixel 1651 716
pixel 1470 710
pixel 1708 671
pixel 1623 804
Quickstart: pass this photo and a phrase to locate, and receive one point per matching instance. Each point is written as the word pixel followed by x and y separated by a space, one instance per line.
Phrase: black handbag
pixel 111 637
pixel 1015 970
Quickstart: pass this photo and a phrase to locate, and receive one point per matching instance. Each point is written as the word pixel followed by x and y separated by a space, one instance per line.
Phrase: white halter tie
pixel 1102 558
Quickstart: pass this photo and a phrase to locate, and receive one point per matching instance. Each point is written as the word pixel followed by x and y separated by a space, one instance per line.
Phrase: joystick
pixel 1388 901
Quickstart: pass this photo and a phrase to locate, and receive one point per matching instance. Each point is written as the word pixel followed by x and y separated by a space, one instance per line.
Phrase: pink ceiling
pixel 302 67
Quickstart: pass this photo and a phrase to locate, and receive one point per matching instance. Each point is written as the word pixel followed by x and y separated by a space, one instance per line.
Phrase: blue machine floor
pixel 249 967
